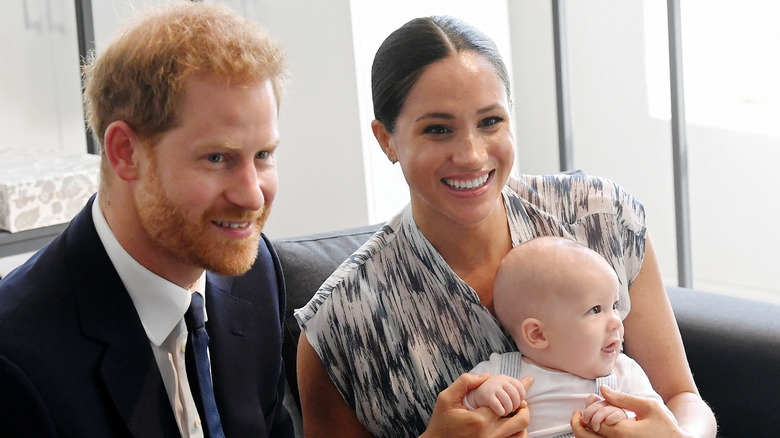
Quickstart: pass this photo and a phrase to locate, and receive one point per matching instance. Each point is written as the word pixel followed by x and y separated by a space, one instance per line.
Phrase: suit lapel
pixel 107 315
pixel 245 330
pixel 233 328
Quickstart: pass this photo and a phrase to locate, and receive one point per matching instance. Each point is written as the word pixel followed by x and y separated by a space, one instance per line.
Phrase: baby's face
pixel 586 334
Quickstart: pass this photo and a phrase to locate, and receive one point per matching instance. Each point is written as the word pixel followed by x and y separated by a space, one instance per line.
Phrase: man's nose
pixel 245 190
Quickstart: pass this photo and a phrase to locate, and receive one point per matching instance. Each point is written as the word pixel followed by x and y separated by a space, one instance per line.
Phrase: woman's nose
pixel 471 150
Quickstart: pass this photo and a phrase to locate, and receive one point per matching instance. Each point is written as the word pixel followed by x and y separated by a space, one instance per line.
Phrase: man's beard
pixel 193 240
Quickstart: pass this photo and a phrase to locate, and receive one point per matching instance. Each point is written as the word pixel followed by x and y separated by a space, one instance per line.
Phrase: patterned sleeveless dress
pixel 394 325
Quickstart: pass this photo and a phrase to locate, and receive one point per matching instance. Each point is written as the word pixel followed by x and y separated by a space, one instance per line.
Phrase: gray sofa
pixel 733 345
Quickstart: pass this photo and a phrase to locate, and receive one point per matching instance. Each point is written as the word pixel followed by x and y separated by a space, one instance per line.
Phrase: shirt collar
pixel 160 304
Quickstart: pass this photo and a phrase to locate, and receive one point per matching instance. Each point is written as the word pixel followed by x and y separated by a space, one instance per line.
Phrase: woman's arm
pixel 652 338
pixel 324 411
pixel 326 414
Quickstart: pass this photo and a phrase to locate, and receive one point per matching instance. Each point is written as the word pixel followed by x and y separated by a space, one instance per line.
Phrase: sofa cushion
pixel 733 347
pixel 307 262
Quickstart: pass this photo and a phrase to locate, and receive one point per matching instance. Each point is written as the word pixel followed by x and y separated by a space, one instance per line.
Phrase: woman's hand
pixel 651 419
pixel 451 419
pixel 598 411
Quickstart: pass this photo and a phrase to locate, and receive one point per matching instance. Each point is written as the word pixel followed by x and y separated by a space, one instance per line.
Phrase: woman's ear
pixel 385 142
pixel 532 331
pixel 121 145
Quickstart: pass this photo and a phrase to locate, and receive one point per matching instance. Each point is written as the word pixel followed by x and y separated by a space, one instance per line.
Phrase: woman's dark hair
pixel 404 54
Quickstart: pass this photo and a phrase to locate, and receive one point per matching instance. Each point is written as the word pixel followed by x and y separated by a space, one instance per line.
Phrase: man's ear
pixel 533 334
pixel 383 137
pixel 122 145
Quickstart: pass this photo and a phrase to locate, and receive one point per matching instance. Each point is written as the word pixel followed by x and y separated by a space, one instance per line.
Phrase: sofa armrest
pixel 733 347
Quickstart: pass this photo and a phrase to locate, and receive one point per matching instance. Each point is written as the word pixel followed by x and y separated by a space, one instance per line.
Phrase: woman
pixel 412 310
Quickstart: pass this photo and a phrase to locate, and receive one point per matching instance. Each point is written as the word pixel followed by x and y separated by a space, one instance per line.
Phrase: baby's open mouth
pixel 614 347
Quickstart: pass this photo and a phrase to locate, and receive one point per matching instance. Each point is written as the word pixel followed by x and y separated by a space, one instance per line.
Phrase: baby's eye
pixel 215 158
pixel 615 306
pixel 595 310
pixel 436 129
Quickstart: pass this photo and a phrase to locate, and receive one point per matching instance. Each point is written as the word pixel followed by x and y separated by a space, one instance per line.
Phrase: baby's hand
pixel 501 393
pixel 599 411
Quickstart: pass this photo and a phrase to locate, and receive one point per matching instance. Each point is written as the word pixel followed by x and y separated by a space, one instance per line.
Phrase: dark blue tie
pixel 196 360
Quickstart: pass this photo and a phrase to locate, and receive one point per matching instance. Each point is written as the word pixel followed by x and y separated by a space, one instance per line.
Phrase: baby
pixel 558 300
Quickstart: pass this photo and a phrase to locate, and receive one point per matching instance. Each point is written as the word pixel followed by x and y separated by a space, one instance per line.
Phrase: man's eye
pixel 261 155
pixel 595 309
pixel 436 129
pixel 215 158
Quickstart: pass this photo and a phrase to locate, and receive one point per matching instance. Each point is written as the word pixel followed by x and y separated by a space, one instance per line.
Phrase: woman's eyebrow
pixel 447 116
pixel 435 115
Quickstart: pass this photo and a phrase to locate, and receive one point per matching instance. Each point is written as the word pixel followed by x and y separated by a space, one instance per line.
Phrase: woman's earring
pixel 393 160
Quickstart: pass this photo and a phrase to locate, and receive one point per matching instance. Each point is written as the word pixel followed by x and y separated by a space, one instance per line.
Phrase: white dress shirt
pixel 160 305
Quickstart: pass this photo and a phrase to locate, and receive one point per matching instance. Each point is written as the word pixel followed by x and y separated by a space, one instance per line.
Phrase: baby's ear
pixel 533 333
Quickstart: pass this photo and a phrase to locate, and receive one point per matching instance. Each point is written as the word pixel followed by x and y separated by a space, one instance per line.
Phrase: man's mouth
pixel 471 184
pixel 227 224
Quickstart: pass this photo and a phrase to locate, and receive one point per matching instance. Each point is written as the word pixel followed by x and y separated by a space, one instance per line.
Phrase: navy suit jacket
pixel 75 360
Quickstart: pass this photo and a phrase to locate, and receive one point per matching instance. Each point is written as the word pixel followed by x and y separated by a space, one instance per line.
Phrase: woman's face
pixel 453 141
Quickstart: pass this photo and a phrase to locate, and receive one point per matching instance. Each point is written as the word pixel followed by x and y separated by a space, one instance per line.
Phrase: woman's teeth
pixel 467 184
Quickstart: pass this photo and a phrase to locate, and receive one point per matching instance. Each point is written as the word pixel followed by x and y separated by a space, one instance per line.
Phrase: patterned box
pixel 44 189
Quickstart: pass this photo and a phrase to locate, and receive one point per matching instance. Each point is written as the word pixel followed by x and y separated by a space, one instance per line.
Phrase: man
pixel 92 336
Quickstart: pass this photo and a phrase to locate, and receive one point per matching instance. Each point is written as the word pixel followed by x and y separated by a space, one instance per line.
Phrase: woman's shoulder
pixel 573 195
pixel 563 183
pixel 353 270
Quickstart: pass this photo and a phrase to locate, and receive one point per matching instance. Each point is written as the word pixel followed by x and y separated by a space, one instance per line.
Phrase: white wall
pixel 321 173
pixel 40 91
pixel 533 88
pixel 732 178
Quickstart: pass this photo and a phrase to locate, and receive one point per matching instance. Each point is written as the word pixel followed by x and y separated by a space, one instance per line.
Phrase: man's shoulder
pixel 37 307
pixel 38 275
pixel 50 273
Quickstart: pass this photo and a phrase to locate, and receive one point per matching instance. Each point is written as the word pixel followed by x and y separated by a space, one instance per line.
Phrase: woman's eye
pixel 436 129
pixel 490 121
pixel 261 155
pixel 595 309
pixel 215 158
